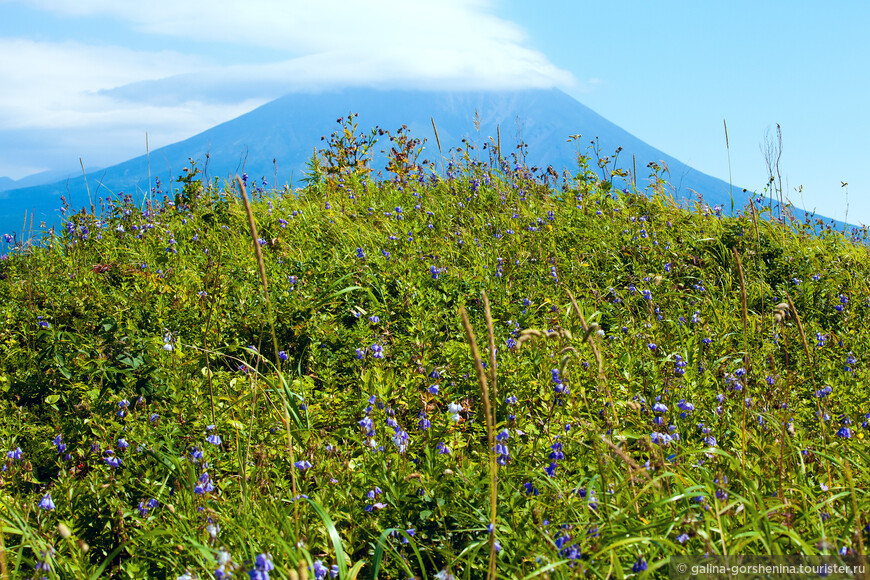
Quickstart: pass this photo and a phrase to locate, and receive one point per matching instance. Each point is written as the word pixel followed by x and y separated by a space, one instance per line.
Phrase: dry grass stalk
pixel 252 225
pixel 800 327
pixel 744 304
pixel 492 364
pixel 490 435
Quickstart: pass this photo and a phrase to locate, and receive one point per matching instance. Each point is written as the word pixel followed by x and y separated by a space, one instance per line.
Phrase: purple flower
pixel 639 566
pixel 204 484
pixel 46 503
pixel 214 439
pixel 320 571
pixel 302 465
pixel 687 407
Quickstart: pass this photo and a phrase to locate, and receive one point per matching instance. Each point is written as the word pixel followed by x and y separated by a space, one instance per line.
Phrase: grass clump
pixel 654 379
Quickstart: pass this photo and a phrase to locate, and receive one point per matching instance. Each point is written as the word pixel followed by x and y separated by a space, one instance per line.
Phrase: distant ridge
pixel 277 139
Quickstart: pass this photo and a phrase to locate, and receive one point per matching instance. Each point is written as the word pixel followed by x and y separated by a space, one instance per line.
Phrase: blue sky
pixel 88 78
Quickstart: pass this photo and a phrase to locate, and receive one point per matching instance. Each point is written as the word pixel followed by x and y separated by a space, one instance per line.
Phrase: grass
pixel 652 380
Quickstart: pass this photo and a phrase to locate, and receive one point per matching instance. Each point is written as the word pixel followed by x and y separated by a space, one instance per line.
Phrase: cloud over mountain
pixel 175 68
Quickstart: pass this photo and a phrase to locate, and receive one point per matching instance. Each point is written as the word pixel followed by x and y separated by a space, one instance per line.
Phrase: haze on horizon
pixel 88 78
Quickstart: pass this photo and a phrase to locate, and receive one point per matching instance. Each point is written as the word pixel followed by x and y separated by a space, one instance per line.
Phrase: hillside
pixel 195 389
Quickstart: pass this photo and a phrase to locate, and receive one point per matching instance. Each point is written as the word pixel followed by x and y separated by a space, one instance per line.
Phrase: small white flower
pixel 454 409
pixel 444 575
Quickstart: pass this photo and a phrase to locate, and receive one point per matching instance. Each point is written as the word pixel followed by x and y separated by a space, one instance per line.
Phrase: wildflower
pixel 204 484
pixel 122 444
pixel 684 406
pixel 302 465
pixel 377 351
pixel 443 449
pixel 503 453
pixel 444 575
pixel 845 433
pixel 550 470
pixel 58 442
pixel 46 503
pixel 660 408
pixel 367 424
pixel 214 439
pixel 400 439
pixel 320 571
pixel 123 405
pixel 683 538
pixel 262 566
pixel 454 409
pixel 112 460
pixel 433 389
pixel 639 566
pixel 282 355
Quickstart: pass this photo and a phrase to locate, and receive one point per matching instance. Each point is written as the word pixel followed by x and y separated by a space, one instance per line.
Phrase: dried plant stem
pixel 252 225
pixel 492 364
pixel 743 302
pixel 744 314
pixel 588 337
pixel 438 141
pixel 4 569
pixel 800 327
pixel 87 187
pixel 490 436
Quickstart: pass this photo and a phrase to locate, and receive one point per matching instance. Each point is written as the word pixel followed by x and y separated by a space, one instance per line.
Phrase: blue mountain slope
pixel 277 139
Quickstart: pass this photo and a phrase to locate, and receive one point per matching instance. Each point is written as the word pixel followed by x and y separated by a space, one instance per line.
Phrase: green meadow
pixel 458 368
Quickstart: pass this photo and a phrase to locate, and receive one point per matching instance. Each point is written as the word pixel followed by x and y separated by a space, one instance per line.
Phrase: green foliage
pixel 145 331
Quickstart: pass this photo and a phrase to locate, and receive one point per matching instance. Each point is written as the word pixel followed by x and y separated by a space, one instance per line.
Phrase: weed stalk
pixel 286 416
pixel 490 436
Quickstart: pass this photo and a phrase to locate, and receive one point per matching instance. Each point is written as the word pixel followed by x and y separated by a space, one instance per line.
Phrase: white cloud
pixel 50 84
pixel 119 91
